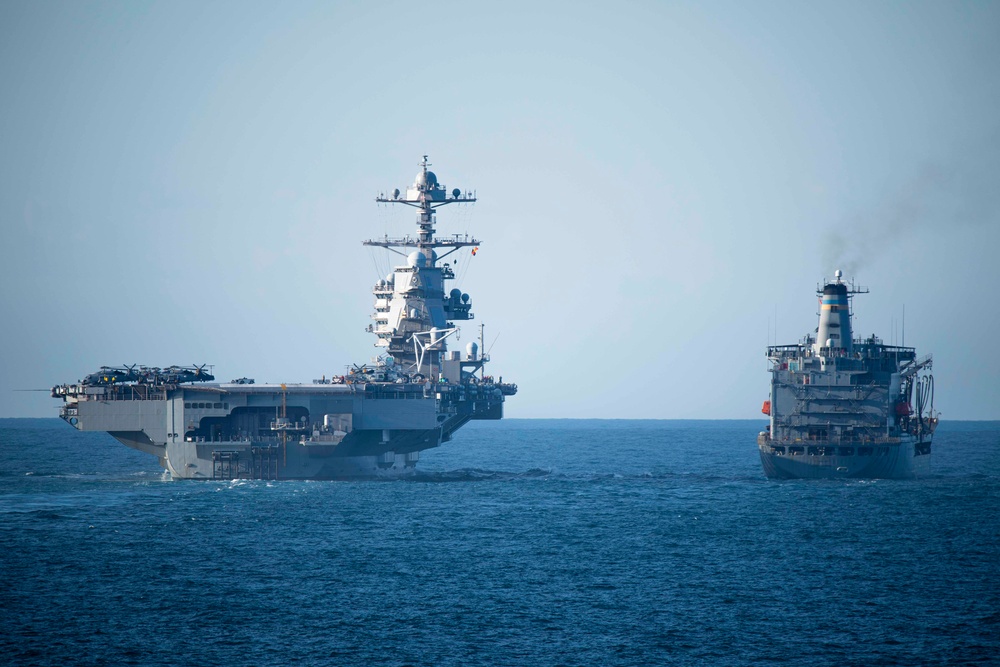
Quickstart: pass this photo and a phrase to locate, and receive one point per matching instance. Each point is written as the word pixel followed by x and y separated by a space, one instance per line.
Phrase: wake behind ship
pixel 371 422
pixel 846 407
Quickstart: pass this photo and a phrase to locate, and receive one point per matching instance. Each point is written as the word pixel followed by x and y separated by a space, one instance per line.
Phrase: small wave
pixel 483 474
pixel 475 475
pixel 46 515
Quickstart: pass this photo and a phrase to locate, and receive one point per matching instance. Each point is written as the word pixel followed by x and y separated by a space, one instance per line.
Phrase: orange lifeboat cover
pixel 767 408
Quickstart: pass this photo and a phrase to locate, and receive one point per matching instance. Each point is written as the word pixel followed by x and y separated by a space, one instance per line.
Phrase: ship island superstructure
pixel 372 421
pixel 841 406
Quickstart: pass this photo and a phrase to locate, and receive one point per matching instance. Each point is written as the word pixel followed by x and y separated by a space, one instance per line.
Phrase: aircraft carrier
pixel 373 421
pixel 847 407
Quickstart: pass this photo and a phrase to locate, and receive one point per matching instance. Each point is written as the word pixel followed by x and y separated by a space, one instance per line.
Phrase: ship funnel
pixel 834 316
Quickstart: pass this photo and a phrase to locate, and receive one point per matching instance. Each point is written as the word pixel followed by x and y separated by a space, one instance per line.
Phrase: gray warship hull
pixel 330 431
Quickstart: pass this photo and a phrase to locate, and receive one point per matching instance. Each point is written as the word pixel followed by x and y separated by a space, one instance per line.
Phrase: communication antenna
pixel 482 346
pixel 492 344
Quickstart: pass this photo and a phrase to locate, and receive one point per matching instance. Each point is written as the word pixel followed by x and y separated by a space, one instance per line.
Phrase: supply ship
pixel 373 421
pixel 847 407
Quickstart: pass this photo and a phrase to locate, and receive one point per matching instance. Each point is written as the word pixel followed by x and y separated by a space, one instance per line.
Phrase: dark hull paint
pixel 900 462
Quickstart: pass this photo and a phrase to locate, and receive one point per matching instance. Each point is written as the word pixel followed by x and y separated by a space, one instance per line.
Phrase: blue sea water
pixel 522 542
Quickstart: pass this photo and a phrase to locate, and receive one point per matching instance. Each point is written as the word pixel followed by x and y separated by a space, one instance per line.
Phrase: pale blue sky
pixel 190 182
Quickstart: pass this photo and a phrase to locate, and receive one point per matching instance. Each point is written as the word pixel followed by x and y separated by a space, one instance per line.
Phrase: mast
pixel 413 314
pixel 426 195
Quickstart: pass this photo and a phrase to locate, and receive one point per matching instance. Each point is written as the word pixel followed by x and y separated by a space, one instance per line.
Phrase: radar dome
pixel 417 259
pixel 456 294
pixel 472 350
pixel 426 179
pixel 465 298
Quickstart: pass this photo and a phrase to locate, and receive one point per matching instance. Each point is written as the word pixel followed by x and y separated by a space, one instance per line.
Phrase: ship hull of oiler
pixel 841 406
pixel 908 459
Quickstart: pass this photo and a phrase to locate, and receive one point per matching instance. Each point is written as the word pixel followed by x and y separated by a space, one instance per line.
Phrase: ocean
pixel 522 542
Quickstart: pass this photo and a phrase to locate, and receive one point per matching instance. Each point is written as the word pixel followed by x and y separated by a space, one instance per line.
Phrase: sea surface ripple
pixel 522 542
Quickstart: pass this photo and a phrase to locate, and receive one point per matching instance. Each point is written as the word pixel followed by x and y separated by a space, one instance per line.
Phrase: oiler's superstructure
pixel 373 421
pixel 846 407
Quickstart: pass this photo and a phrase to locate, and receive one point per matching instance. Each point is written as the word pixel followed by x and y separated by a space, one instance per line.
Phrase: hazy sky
pixel 662 185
